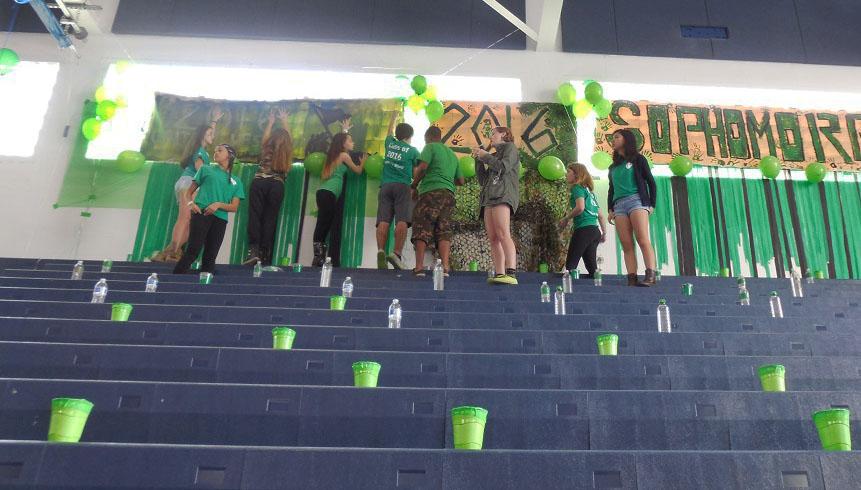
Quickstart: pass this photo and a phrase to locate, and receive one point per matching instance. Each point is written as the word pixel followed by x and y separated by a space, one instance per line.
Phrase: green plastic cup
pixel 772 377
pixel 284 262
pixel 473 266
pixel 68 418
pixel 365 374
pixel 687 289
pixel 575 274
pixel 297 267
pixel 282 338
pixel 467 425
pixel 337 302
pixel 819 275
pixel 833 428
pixel 724 272
pixel 608 344
pixel 205 278
pixel 543 268
pixel 120 312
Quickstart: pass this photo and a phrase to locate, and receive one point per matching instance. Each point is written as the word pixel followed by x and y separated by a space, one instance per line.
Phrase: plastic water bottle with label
pixel 258 269
pixel 100 292
pixel 598 277
pixel 664 325
pixel 743 295
pixel 545 292
pixel 438 276
pixel 152 283
pixel 741 282
pixel 567 282
pixel 78 270
pixel 775 305
pixel 795 281
pixel 559 301
pixel 107 265
pixel 347 288
pixel 326 273
pixel 395 314
pixel 808 276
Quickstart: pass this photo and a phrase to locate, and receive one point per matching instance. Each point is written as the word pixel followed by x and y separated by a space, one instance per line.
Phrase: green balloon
pixel 551 168
pixel 314 163
pixel 522 170
pixel 419 84
pixel 106 109
pixel 8 61
pixel 434 110
pixel 91 128
pixel 603 108
pixel 130 161
pixel 594 92
pixel 374 166
pixel 602 160
pixel 567 94
pixel 815 172
pixel 770 167
pixel 467 166
pixel 681 165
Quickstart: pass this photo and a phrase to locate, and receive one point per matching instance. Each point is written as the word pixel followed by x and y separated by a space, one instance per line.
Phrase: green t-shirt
pixel 190 171
pixel 589 216
pixel 624 184
pixel 216 187
pixel 400 158
pixel 335 182
pixel 443 168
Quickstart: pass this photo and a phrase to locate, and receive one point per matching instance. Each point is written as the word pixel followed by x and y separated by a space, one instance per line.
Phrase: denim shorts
pixel 627 205
pixel 180 187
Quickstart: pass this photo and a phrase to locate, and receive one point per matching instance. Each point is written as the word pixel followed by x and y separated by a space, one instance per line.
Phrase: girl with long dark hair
pixel 338 161
pixel 267 189
pixel 194 157
pixel 631 200
pixel 588 220
pixel 499 176
pixel 218 193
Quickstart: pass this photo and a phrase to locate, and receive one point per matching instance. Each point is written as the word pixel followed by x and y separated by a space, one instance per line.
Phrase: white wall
pixel 30 185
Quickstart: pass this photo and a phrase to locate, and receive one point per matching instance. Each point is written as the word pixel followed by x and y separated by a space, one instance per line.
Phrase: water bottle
pixel 657 276
pixel 100 291
pixel 599 279
pixel 347 288
pixel 743 295
pixel 664 325
pixel 795 280
pixel 808 276
pixel 78 270
pixel 491 272
pixel 559 301
pixel 741 282
pixel 107 265
pixel 438 277
pixel 395 314
pixel 326 273
pixel 545 292
pixel 776 307
pixel 567 282
pixel 152 283
pixel 258 269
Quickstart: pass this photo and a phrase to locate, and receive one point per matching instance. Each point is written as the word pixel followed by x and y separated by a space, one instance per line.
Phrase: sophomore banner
pixel 736 136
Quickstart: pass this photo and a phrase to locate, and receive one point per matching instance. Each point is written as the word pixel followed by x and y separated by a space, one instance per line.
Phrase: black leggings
pixel 584 243
pixel 207 233
pixel 264 206
pixel 327 209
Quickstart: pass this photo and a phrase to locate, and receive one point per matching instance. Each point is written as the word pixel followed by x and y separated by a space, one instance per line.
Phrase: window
pixel 24 97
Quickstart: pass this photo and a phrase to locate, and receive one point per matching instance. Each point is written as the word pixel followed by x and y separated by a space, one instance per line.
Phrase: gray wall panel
pixel 592 26
pixel 488 26
pixel 440 23
pixel 652 28
pixel 831 31
pixel 760 30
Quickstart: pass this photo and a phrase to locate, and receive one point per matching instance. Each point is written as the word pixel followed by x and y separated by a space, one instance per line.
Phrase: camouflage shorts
pixel 432 216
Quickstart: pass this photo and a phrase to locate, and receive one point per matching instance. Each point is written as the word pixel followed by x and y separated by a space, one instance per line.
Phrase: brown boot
pixel 632 280
pixel 650 278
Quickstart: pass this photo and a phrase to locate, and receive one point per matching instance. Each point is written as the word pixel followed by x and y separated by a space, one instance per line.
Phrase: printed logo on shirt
pixel 628 165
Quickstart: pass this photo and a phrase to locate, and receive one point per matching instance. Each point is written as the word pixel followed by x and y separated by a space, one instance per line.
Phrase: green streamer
pixel 702 225
pixel 662 225
pixel 835 221
pixel 353 223
pixel 759 223
pixel 851 200
pixel 813 232
pixel 735 218
pixel 158 211
pixel 784 223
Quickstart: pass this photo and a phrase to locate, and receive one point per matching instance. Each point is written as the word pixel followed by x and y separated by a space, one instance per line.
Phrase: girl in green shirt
pixel 587 217
pixel 338 160
pixel 213 194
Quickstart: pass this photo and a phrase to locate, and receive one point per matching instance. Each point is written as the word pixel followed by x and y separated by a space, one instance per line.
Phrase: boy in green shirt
pixel 436 175
pixel 395 203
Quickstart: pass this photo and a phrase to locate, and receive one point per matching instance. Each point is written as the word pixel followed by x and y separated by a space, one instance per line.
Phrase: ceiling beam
pixel 530 32
pixel 548 29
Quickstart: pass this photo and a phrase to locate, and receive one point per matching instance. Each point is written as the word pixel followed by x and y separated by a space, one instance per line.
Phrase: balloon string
pixel 469 58
pixel 12 18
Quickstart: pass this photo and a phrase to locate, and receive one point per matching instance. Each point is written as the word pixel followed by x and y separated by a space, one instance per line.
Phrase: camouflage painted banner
pixel 737 136
pixel 312 124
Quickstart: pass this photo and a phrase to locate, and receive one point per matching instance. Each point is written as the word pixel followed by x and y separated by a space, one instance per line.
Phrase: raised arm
pixel 393 120
pixel 504 160
pixel 347 160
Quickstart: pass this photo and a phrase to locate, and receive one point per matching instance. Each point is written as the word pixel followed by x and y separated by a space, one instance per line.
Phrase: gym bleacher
pixel 190 393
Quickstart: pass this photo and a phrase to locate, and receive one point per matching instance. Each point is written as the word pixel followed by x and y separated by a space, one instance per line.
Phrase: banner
pixel 737 136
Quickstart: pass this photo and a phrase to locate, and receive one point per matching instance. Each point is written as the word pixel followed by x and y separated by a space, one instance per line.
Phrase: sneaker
pixel 418 273
pixel 381 260
pixel 504 279
pixel 395 261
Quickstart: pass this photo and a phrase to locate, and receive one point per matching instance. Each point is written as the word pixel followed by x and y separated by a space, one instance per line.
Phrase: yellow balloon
pixel 582 108
pixel 101 94
pixel 122 66
pixel 121 101
pixel 416 103
pixel 430 93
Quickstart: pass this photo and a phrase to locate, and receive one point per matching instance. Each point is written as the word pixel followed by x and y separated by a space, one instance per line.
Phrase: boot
pixel 253 256
pixel 650 278
pixel 632 280
pixel 318 254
